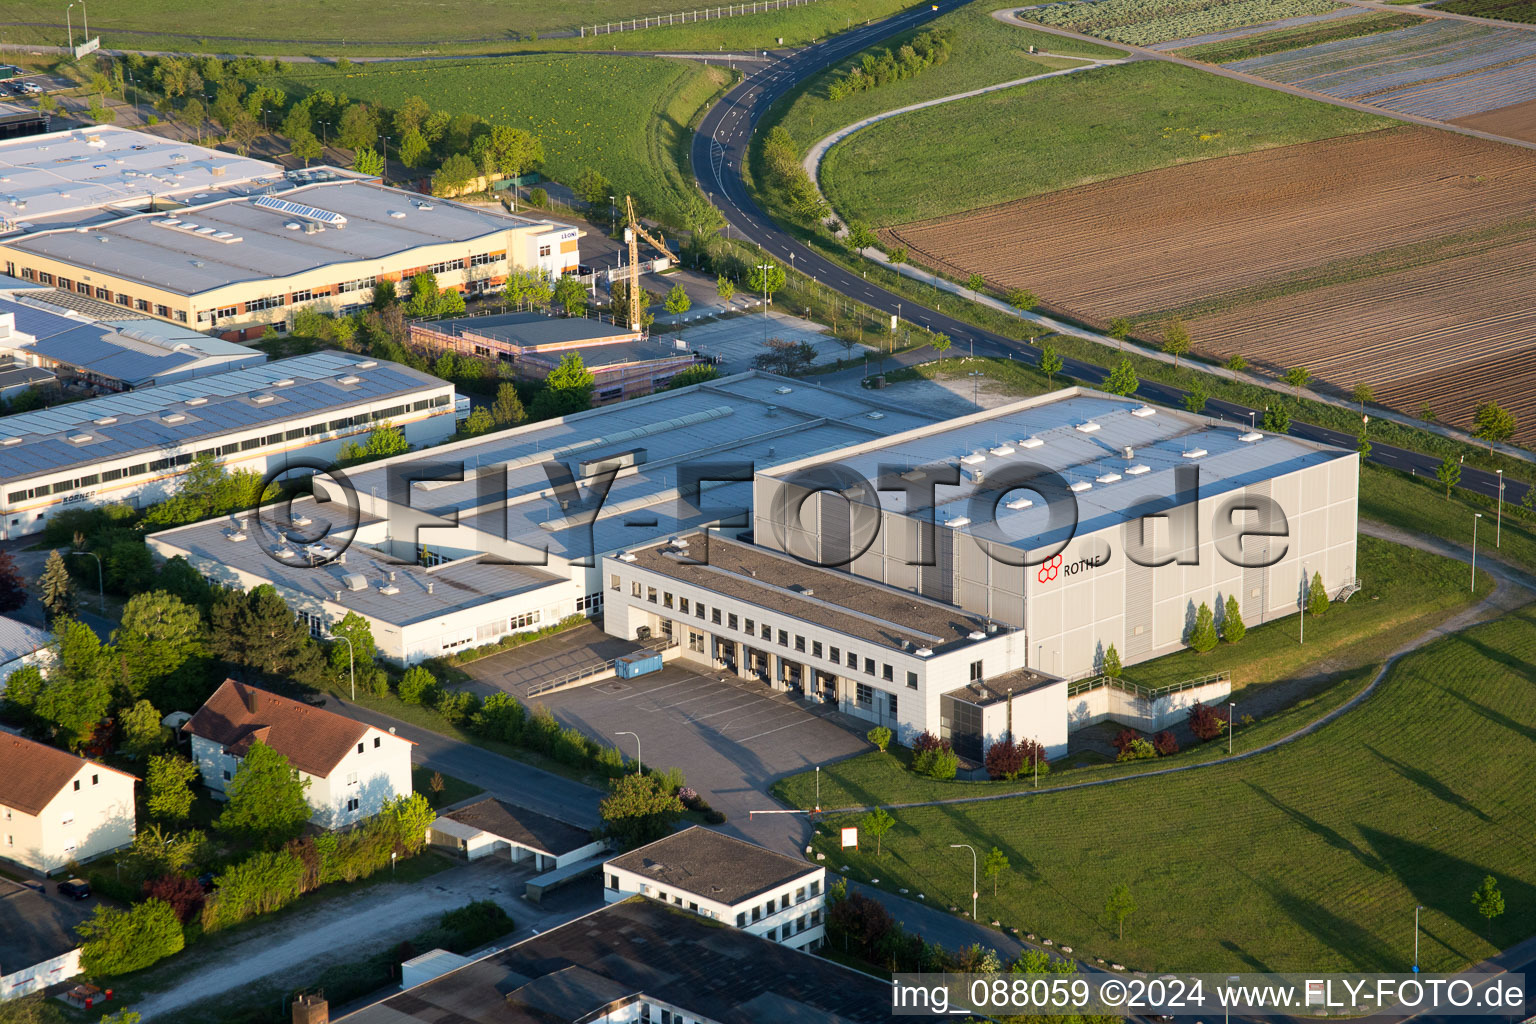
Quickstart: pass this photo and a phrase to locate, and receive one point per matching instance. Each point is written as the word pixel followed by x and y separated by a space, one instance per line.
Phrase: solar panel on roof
pixel 301 210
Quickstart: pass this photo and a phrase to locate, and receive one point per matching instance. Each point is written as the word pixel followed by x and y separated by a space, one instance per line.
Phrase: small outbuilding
pixel 495 828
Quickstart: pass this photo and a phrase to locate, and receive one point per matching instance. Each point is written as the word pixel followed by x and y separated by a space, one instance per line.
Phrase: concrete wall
pixel 789 905
pixel 26 980
pixel 1125 707
pixel 76 825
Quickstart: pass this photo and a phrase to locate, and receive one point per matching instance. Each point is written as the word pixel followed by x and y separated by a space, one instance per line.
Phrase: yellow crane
pixel 633 232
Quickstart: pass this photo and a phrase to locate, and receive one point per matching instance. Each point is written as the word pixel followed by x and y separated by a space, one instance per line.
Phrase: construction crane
pixel 633 232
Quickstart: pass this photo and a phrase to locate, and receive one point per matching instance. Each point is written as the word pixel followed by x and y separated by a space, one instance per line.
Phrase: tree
pixel 368 161
pixel 1050 363
pixel 1493 424
pixel 1363 394
pixel 419 686
pixel 385 440
pixel 940 344
pixel 454 175
pixel 306 148
pixel 1122 380
pixel 1277 419
pixel 478 422
pixel 1317 597
pixel 258 630
pixel 1232 627
pixel 880 736
pixel 1120 906
pixel 1363 446
pixel 385 295
pixel 1120 329
pixel 876 824
pixel 1487 898
pixel 160 647
pixel 359 655
pixel 571 377
pixel 592 187
pixel 678 300
pixel 266 799
pixel 142 732
pixel 725 288
pixel 698 373
pixel 413 149
pixel 639 809
pixel 1176 341
pixel 975 282
pixel 513 152
pixel 1112 667
pixel 13 589
pixel 411 115
pixel 1165 743
pixel 58 590
pixel 78 693
pixel 1236 363
pixel 1005 760
pixel 766 278
pixel 117 942
pixel 570 296
pixel 168 787
pixel 1202 636
pixel 1449 473
pixel 1197 397
pixel 357 129
pixel 507 410
pixel 994 864
pixel 1297 377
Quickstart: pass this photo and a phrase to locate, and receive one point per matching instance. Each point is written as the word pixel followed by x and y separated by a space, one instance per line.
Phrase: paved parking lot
pixel 731 738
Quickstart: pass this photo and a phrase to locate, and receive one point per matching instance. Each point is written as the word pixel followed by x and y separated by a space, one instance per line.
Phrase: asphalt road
pixel 720 146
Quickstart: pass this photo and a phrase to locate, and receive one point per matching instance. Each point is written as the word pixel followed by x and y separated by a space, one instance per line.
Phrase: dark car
pixel 77 888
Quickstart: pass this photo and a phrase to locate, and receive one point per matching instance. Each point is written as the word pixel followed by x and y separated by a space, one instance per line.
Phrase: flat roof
pixel 639 947
pixel 248 242
pixel 840 601
pixel 714 865
pixel 35 927
pixel 209 406
pixel 80 170
pixel 423 592
pixel 1001 687
pixel 1118 455
pixel 530 829
pixel 12 376
pixel 752 419
pixel 530 328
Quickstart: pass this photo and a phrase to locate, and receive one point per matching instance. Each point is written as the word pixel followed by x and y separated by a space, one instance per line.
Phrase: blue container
pixel 640 663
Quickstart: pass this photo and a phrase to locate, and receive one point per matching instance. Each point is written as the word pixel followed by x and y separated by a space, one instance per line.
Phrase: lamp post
pixel 1232 979
pixel 1306 588
pixel 975 386
pixel 1036 756
pixel 1231 717
pixel 392 856
pixel 1475 517
pixel 1498 530
pixel 613 214
pixel 101 591
pixel 968 846
pixel 1416 937
pixel 763 268
pixel 351 661
pixel 639 765
pixel 818 789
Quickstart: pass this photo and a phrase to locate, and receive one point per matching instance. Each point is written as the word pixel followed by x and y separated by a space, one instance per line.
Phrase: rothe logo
pixel 1049 570
pixel 1053 568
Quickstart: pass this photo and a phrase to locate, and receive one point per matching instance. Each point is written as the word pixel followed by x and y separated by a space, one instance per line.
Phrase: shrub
pixel 1139 749
pixel 925 742
pixel 1112 667
pixel 1124 738
pixel 571 747
pixel 639 809
pixel 1005 760
pixel 714 817
pixel 500 717
pixel 1166 743
pixel 180 892
pixel 418 686
pixel 1232 627
pixel 940 762
pixel 260 884
pixel 541 730
pixel 689 796
pixel 1206 722
pixel 880 736
pixel 121 941
pixel 538 197
pixel 457 706
pixel 1317 595
pixel 475 924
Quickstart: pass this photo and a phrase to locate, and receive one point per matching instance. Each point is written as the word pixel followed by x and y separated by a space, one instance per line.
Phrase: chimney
pixel 311 1008
pixel 429 586
pixel 250 700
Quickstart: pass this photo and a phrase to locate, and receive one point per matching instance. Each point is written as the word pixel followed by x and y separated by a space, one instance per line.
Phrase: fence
pixel 534 689
pixel 688 17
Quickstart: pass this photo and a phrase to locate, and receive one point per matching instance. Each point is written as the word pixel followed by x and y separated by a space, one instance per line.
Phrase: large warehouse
pixel 1111 542
pixel 134 447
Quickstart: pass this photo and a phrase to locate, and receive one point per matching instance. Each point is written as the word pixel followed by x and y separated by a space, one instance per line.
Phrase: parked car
pixel 31 88
pixel 76 888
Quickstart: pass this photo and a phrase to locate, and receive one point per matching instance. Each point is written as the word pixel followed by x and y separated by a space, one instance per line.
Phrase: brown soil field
pixel 1395 256
pixel 1514 122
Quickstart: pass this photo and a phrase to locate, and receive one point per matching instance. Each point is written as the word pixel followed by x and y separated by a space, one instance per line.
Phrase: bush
pixel 1206 722
pixel 260 884
pixel 541 731
pixel 714 817
pixel 880 736
pixel 1005 760
pixel 121 941
pixel 1166 743
pixel 474 924
pixel 180 892
pixel 1124 738
pixel 418 686
pixel 538 197
pixel 500 717
pixel 572 747
pixel 925 742
pixel 1202 636
pixel 1138 749
pixel 458 706
pixel 938 762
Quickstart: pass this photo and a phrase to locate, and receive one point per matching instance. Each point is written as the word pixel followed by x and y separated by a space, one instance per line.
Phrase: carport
pixel 495 828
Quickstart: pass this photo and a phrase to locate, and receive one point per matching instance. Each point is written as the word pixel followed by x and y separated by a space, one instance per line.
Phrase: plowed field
pixel 1397 257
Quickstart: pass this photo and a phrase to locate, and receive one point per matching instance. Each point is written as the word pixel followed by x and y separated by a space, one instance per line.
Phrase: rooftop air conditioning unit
pixel 237 535
pixel 976 475
pixel 781 390
pixel 924 652
pixel 389 588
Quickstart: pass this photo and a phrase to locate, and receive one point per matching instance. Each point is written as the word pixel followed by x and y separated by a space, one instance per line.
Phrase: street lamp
pixel 1475 517
pixel 613 214
pixel 100 589
pixel 818 789
pixel 763 267
pixel 1232 979
pixel 968 846
pixel 1416 937
pixel 68 21
pixel 1498 531
pixel 639 766
pixel 1231 717
pixel 975 386
pixel 351 661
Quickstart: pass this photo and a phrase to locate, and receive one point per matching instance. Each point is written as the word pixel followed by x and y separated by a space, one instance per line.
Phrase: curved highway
pixel 720 147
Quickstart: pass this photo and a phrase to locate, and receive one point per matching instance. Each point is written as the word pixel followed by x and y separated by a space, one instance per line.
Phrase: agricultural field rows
pixel 1442 68
pixel 1517 121
pixel 1503 10
pixel 1248 45
pixel 1140 22
pixel 1304 22
pixel 1277 255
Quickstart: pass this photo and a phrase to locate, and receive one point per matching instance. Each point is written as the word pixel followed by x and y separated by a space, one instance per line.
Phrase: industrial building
pixel 229 244
pixel 623 364
pixel 1082 519
pixel 134 447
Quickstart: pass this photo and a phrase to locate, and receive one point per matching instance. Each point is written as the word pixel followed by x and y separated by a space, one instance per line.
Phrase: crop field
pixel 1441 69
pixel 355 27
pixel 624 116
pixel 1342 255
pixel 1139 23
pixel 1514 122
pixel 1036 138
pixel 1504 10
pixel 1251 44
pixel 1310 857
pixel 1303 22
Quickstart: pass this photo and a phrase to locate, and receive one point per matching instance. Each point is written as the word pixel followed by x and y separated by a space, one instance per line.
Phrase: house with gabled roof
pixel 353 768
pixel 56 808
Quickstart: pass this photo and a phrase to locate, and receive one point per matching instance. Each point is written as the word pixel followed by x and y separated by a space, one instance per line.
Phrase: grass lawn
pixel 1407 592
pixel 1419 504
pixel 1294 38
pixel 627 117
pixel 1064 132
pixel 353 28
pixel 984 51
pixel 454 789
pixel 1310 857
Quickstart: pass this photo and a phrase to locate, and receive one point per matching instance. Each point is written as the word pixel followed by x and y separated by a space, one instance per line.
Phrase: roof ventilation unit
pixel 368 365
pixel 1251 436
pixel 1080 487
pixel 389 588
pixel 348 380
pixel 355 581
pixel 627 556
pixel 237 535
pixel 1021 503
pixel 80 439
pixel 781 390
pixel 914 475
pixel 1109 478
pixel 973 459
pixel 282 383
pixel 1031 442
pixel 976 634
pixel 976 475
pixel 173 417
pixel 283 551
pixel 1196 453
pixel 1138 469
pixel 264 399
pixel 10 441
pixel 1087 428
pixel 197 401
pixel 105 421
pixel 877 415
pixel 1144 411
pixel 1003 449
pixel 924 652
pixel 957 522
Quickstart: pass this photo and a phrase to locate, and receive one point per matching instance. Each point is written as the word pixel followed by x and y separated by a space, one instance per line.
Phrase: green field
pixel 1063 132
pixel 1228 50
pixel 1140 23
pixel 628 117
pixel 1406 592
pixel 984 52
pixel 1310 857
pixel 1419 505
pixel 1504 10
pixel 335 27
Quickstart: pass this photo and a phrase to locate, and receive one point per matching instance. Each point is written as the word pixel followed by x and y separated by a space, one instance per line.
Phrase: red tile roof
pixel 312 739
pixel 32 773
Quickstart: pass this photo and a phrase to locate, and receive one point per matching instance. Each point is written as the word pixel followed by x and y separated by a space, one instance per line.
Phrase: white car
pixel 31 88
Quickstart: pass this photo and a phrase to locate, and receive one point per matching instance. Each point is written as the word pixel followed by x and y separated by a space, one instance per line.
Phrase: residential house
pixel 56 808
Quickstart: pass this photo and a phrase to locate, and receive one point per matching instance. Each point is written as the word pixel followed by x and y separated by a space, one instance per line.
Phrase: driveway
pixel 552 657
pixel 290 951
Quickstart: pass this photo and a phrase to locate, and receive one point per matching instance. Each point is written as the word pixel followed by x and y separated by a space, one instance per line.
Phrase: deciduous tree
pixel 677 300
pixel 570 296
pixel 639 809
pixel 876 824
pixel 1050 364
pixel 13 589
pixel 507 410
pixel 993 865
pixel 117 942
pixel 1122 380
pixel 1493 424
pixel 1488 899
pixel 1362 394
pixel 725 288
pixel 266 799
pixel 1297 377
pixel 880 736
pixel 766 278
pixel 142 732
pixel 1119 906
pixel 1176 341
pixel 168 786
pixel 160 645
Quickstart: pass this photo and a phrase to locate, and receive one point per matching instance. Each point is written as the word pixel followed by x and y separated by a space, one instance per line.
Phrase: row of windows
pixel 85 288
pixel 485 259
pixel 774 905
pixel 361 284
